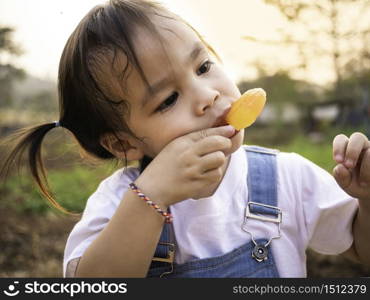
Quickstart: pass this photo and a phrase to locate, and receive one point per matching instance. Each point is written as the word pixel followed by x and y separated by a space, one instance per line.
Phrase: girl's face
pixel 189 90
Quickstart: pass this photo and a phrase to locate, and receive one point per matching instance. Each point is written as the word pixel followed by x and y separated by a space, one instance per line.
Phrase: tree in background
pixel 334 30
pixel 282 88
pixel 334 34
pixel 8 72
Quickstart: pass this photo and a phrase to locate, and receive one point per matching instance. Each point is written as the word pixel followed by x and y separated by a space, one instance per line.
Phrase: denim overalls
pixel 253 259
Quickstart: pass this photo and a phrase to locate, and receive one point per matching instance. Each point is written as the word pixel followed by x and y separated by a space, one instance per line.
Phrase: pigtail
pixel 30 140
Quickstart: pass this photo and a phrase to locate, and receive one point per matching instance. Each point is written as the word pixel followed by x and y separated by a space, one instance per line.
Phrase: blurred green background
pixel 300 116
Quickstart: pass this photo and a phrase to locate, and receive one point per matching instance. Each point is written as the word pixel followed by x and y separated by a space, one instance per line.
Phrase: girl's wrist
pixel 153 193
pixel 165 213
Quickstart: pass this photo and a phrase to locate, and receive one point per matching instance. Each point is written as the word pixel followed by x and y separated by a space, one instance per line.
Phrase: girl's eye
pixel 171 100
pixel 204 68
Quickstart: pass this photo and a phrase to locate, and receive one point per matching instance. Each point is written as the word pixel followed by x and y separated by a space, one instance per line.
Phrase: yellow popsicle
pixel 246 109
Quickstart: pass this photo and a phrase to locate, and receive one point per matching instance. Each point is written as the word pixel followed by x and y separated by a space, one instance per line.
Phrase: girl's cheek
pixel 228 84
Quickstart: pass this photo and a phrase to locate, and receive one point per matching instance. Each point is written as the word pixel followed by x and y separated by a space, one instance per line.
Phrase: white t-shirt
pixel 316 213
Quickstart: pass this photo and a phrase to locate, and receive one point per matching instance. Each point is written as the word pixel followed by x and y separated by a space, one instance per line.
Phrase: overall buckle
pixel 260 251
pixel 249 214
pixel 171 254
pixel 169 259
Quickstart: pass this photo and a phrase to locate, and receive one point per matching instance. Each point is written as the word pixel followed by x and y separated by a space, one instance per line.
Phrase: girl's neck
pixel 145 161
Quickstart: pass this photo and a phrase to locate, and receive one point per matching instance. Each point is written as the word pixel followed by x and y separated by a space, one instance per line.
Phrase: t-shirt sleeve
pixel 98 211
pixel 328 211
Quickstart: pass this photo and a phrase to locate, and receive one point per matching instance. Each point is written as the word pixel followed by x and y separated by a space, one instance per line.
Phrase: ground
pixel 32 246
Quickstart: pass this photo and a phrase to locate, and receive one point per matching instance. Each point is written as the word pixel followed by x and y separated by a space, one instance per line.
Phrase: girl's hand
pixel 190 166
pixel 353 169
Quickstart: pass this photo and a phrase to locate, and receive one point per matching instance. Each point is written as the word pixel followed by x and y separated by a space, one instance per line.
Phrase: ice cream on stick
pixel 246 109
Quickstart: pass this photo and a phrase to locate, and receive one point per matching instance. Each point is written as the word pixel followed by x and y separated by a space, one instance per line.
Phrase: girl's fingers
pixel 212 144
pixel 356 144
pixel 339 147
pixel 213 176
pixel 342 175
pixel 364 176
pixel 212 161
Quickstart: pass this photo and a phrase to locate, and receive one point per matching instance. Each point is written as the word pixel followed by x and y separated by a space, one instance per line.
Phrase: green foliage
pixel 6 42
pixel 318 148
pixel 283 91
pixel 282 88
pixel 291 140
pixel 355 83
pixel 8 73
pixel 319 153
pixel 45 101
pixel 71 188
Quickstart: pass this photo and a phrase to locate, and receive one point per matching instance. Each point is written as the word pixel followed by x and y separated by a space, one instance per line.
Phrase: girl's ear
pixel 125 147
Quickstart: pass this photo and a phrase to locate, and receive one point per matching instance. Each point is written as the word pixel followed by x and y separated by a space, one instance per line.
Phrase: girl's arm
pixel 125 247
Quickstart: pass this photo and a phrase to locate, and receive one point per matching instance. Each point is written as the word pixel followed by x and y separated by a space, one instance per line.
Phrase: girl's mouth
pixel 222 122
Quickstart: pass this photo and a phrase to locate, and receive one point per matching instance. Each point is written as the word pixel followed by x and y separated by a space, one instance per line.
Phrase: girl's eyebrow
pixel 157 86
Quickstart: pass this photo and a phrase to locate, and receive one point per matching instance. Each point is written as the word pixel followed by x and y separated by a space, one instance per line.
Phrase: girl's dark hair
pixel 88 106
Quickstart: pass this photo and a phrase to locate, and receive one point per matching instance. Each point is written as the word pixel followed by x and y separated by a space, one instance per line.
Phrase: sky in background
pixel 43 26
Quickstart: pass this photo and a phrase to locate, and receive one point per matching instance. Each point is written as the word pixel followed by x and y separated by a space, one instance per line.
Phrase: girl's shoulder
pixel 306 178
pixel 111 189
pixel 295 162
pixel 118 180
pixel 291 165
pixel 284 159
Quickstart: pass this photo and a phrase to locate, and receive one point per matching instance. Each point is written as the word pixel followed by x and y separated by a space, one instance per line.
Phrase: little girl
pixel 138 83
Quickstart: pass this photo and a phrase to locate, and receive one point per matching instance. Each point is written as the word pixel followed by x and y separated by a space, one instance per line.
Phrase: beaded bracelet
pixel 166 215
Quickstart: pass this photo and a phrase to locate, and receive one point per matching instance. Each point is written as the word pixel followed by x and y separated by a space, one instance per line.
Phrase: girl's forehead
pixel 169 33
pixel 166 49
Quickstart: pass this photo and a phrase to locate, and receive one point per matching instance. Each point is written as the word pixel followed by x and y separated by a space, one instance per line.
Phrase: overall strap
pixel 165 251
pixel 262 178
pixel 262 199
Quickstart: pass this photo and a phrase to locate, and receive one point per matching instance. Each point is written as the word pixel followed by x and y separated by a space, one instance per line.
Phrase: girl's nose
pixel 205 99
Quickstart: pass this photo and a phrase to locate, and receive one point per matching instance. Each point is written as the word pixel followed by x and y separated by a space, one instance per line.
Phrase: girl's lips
pixel 219 123
pixel 221 120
